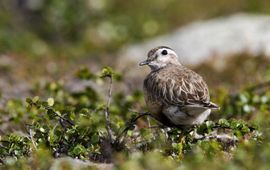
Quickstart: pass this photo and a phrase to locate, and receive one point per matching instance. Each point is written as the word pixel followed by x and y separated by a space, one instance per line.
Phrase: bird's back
pixel 174 85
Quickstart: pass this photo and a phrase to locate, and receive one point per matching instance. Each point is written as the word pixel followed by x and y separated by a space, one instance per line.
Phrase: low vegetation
pixel 105 129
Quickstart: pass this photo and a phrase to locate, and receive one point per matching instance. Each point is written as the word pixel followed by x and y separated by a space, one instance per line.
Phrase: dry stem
pixel 107 112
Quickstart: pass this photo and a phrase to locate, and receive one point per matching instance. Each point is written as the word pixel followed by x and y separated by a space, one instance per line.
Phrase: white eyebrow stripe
pixel 169 51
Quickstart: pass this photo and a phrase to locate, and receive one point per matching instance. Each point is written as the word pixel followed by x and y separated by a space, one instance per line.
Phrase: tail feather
pixel 209 105
pixel 213 106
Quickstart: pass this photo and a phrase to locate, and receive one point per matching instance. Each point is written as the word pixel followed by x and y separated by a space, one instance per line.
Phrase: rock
pixel 202 40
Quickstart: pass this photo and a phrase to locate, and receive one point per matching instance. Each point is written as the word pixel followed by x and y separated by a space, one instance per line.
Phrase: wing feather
pixel 178 86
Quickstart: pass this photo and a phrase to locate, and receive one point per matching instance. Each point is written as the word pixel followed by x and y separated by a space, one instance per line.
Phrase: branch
pixel 30 136
pixel 131 124
pixel 107 112
pixel 61 117
pixel 56 114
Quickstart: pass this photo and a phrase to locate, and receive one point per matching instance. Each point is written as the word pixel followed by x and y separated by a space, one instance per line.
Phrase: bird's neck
pixel 166 65
pixel 157 67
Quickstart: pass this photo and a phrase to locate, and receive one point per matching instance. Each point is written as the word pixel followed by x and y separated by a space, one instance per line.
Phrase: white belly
pixel 189 115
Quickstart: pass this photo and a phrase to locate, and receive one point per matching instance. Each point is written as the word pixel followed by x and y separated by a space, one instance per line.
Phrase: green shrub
pixel 89 126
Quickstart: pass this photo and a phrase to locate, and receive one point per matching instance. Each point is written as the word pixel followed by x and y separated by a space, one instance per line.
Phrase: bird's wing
pixel 180 87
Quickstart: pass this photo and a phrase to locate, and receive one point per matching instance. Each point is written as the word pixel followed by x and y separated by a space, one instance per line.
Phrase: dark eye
pixel 164 52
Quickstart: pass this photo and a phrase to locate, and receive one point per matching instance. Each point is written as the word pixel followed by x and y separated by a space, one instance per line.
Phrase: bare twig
pixel 56 114
pixel 107 112
pixel 131 124
pixel 30 135
pixel 61 117
pixel 32 139
pixel 66 120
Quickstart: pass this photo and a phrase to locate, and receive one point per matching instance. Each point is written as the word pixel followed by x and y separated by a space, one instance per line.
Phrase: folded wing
pixel 182 87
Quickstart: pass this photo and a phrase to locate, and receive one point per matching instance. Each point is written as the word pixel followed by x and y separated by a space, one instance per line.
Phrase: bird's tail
pixel 213 106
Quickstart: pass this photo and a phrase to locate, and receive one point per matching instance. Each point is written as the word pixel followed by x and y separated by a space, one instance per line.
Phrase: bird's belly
pixel 186 116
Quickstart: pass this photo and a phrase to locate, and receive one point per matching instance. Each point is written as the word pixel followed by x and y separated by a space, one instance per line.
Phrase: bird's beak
pixel 146 62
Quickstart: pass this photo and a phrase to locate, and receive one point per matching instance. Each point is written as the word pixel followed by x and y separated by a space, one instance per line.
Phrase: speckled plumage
pixel 174 94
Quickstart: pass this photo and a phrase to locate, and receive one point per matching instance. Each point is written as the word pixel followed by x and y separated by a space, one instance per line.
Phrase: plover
pixel 174 94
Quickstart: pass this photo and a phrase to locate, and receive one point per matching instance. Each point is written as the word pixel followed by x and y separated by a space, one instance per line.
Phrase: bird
pixel 175 95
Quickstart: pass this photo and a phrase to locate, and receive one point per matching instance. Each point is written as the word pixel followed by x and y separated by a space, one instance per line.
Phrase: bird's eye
pixel 164 52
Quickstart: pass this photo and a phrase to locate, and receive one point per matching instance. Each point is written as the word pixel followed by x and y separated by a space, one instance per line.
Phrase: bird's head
pixel 160 57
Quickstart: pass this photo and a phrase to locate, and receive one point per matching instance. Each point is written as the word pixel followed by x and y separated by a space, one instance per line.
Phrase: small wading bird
pixel 175 95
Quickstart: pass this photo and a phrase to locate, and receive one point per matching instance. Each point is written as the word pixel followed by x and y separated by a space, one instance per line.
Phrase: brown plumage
pixel 174 94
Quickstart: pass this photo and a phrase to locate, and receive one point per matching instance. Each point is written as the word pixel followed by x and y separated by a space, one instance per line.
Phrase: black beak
pixel 146 62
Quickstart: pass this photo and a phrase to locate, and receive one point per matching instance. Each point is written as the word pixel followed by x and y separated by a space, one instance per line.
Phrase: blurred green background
pixel 43 43
pixel 98 28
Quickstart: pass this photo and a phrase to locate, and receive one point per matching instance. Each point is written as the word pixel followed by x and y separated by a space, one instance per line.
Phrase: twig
pixel 30 135
pixel 56 114
pixel 61 117
pixel 131 124
pixel 107 112
pixel 67 120
pixel 31 138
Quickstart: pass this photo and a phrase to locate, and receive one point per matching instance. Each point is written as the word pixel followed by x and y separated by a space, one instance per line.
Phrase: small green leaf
pixel 35 99
pixel 109 72
pixel 50 101
pixel 78 150
pixel 29 100
pixel 42 129
pixel 129 132
pixel 247 108
pixel 50 114
pixel 106 72
pixel 224 123
pixel 243 98
pixel 95 139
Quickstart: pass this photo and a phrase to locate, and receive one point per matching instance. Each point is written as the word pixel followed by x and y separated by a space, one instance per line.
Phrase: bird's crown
pixel 154 50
